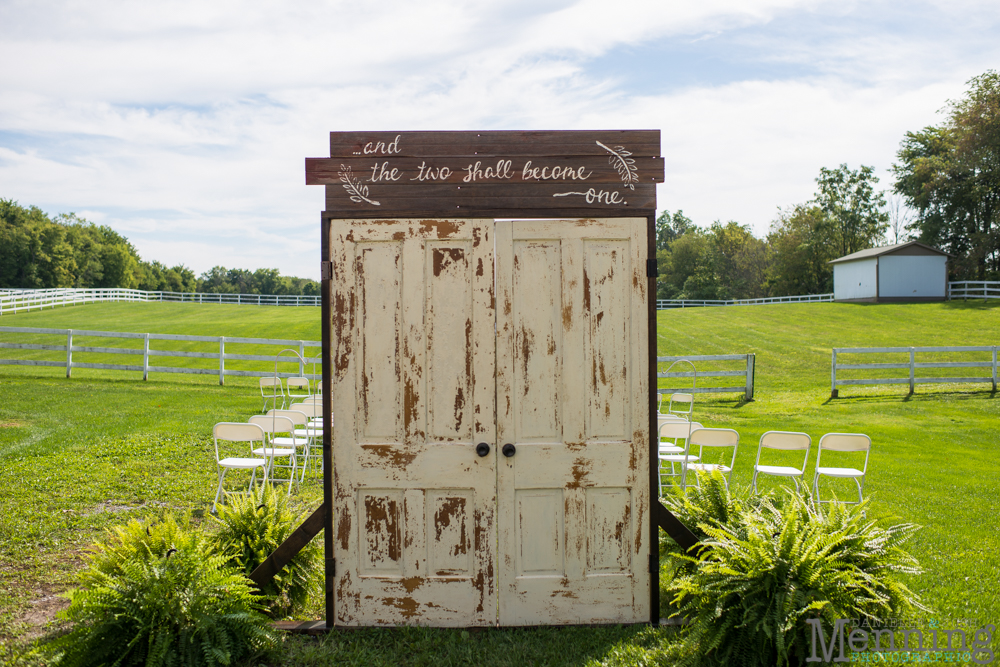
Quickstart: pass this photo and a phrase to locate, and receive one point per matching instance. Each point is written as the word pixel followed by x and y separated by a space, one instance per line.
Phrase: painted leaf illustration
pixel 357 190
pixel 624 164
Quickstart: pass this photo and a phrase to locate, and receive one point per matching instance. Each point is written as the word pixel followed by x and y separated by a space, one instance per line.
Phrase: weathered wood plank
pixel 514 172
pixel 524 143
pixel 680 533
pixel 597 200
pixel 265 572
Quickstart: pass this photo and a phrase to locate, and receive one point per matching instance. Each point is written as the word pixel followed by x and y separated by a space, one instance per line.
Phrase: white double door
pixel 451 334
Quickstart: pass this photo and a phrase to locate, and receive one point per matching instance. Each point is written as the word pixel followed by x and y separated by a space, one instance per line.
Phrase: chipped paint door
pixel 413 394
pixel 571 381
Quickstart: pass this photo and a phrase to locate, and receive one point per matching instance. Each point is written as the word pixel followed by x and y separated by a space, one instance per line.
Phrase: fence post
pixel 912 357
pixel 833 374
pixel 222 360
pixel 748 394
pixel 994 368
pixel 145 358
pixel 69 352
pixel 302 356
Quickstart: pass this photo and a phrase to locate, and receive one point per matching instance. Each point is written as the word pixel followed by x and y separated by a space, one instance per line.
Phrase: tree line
pixel 946 194
pixel 39 252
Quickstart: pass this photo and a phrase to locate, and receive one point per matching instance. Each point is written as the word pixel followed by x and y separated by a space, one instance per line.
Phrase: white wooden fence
pixel 15 301
pixel 146 352
pixel 745 384
pixel 664 304
pixel 911 366
pixel 974 289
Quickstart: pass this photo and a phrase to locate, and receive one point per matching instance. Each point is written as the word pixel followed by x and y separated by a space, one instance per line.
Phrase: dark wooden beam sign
pixel 467 174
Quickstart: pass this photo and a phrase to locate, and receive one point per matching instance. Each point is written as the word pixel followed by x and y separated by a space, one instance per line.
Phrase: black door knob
pixel 509 450
pixel 482 449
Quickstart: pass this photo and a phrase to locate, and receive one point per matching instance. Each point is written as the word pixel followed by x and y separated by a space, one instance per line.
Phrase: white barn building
pixel 902 272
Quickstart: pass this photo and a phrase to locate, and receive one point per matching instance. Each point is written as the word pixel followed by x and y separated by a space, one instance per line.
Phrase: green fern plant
pixel 146 603
pixel 249 529
pixel 772 564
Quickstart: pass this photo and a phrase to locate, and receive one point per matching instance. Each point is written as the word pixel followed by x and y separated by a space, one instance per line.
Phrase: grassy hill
pixel 81 454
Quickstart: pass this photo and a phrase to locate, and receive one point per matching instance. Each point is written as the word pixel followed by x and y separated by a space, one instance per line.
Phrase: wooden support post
pixel 302 358
pixel 748 394
pixel 69 352
pixel 145 357
pixel 912 357
pixel 833 374
pixel 994 368
pixel 222 360
pixel 292 545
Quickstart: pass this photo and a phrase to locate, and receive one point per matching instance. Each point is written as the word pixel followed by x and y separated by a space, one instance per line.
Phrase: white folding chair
pixel 297 388
pixel 237 432
pixel 670 432
pixel 313 430
pixel 271 390
pixel 787 441
pixel 272 424
pixel 714 437
pixel 300 421
pixel 681 405
pixel 842 442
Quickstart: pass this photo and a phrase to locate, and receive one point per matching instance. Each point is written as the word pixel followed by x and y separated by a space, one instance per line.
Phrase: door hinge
pixel 331 567
pixel 326 270
pixel 654 563
pixel 651 271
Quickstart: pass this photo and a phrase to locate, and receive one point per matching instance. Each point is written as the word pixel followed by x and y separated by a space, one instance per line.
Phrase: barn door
pixel 426 530
pixel 571 380
pixel 413 394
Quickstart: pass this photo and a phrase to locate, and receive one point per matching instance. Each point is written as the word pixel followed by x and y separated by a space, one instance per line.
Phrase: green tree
pixel 854 208
pixel 951 175
pixel 802 245
pixel 670 227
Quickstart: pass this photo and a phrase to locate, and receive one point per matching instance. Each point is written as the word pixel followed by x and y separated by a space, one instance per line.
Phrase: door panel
pixel 413 392
pixel 571 381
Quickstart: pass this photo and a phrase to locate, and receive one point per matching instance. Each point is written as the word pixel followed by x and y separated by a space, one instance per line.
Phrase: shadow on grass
pixel 635 644
pixel 858 399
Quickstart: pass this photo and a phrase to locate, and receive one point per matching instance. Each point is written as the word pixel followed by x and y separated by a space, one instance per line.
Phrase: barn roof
pixel 886 250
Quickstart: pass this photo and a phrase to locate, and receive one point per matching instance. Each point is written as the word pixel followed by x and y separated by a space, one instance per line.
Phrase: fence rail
pixel 974 289
pixel 747 373
pixel 665 304
pixel 15 301
pixel 912 365
pixel 147 352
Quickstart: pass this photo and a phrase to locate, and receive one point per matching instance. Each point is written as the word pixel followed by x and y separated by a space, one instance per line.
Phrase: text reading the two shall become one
pixel 476 172
pixel 399 168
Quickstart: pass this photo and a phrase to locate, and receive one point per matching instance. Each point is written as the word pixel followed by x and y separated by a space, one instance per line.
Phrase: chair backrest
pixel 673 429
pixel 270 385
pixel 298 383
pixel 297 416
pixel 789 440
pixel 715 437
pixel 272 423
pixel 310 408
pixel 236 432
pixel 845 442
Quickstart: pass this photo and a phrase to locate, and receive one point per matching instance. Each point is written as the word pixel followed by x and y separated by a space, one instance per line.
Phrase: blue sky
pixel 183 125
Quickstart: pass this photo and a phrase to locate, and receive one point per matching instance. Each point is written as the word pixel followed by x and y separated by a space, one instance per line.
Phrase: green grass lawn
pixel 78 455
